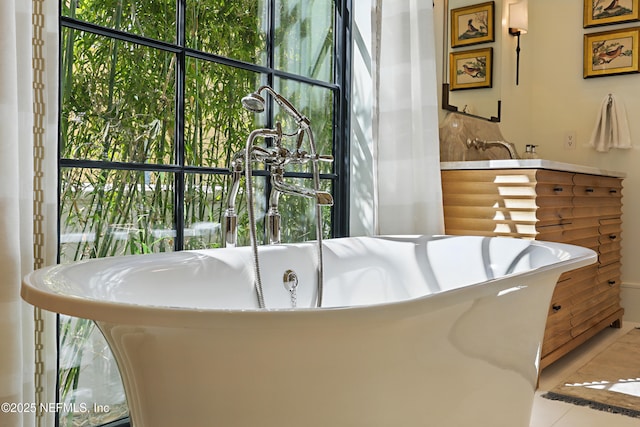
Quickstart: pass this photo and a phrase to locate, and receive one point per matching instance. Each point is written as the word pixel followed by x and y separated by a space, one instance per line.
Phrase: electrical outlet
pixel 570 140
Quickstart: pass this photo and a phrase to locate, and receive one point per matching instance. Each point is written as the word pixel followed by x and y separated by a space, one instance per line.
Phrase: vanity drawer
pixel 555 178
pixel 612 185
pixel 609 239
pixel 554 197
pixel 597 196
pixel 609 274
pixel 611 285
pixel 596 192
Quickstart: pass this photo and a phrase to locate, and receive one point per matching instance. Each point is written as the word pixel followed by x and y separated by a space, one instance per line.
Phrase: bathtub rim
pixel 186 317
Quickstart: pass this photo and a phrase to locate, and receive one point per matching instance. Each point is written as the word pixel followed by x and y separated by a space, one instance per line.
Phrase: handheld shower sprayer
pixel 255 103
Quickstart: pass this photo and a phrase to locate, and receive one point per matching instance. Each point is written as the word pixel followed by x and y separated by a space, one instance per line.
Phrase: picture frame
pixel 471 69
pixel 473 24
pixel 606 12
pixel 611 52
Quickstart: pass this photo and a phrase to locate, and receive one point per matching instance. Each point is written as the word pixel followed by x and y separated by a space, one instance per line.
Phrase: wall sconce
pixel 518 23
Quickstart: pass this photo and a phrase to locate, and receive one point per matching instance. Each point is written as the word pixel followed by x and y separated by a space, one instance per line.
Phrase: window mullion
pixel 179 183
pixel 342 70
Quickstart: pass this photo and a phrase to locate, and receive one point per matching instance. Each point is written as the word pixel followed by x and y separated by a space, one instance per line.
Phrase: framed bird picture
pixel 472 24
pixel 605 12
pixel 611 52
pixel 471 69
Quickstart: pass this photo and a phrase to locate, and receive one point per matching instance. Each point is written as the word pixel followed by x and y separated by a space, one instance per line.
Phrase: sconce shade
pixel 518 17
pixel 518 24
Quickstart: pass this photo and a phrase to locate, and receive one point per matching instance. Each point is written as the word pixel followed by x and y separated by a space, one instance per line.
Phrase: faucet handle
pixel 305 157
pixel 324 199
pixel 325 158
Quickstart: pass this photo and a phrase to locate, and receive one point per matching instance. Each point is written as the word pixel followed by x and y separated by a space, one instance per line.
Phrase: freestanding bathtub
pixel 416 330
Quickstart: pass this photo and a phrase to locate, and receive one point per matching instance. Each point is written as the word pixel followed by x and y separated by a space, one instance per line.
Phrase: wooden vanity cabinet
pixel 560 206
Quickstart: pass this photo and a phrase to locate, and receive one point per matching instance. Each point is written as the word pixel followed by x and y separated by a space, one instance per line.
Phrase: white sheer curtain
pixel 28 194
pixel 405 118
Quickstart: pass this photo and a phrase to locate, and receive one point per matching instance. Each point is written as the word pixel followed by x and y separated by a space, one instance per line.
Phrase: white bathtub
pixel 417 331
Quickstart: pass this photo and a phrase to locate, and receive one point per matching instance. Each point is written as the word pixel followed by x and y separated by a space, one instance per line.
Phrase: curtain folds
pixel 28 200
pixel 405 119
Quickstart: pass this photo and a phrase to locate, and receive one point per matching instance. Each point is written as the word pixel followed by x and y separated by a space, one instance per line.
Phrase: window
pixel 150 117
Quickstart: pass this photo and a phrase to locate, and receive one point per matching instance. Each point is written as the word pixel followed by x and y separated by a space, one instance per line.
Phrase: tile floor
pixel 548 413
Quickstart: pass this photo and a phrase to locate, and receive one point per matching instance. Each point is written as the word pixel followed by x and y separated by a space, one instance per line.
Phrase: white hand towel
pixel 612 128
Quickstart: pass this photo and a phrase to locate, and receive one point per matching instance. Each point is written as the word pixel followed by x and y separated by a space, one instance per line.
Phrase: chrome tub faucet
pixel 275 158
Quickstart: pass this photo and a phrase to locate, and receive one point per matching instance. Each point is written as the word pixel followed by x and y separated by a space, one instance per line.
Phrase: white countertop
pixel 529 164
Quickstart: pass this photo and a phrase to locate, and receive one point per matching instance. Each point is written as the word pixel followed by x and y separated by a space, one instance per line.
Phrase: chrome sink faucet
pixel 275 158
pixel 481 144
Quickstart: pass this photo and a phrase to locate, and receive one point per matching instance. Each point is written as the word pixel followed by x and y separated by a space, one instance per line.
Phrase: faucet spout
pixel 322 198
pixel 481 144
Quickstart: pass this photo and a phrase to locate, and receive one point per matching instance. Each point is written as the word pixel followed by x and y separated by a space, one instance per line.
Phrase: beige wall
pixel 553 98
